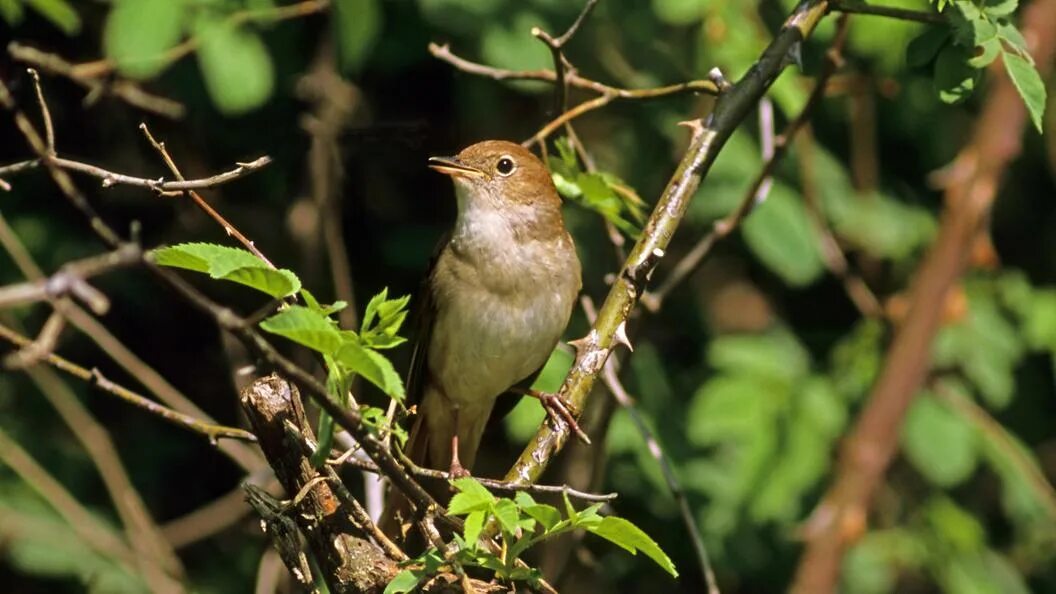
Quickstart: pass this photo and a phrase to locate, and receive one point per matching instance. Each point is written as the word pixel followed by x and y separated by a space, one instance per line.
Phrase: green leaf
pixel 382 320
pixel 955 80
pixel 547 515
pixel 60 13
pixel 138 32
pixel 471 496
pixel 774 355
pixel 473 527
pixel 938 443
pixel 1028 83
pixel 781 235
pixel 305 327
pixel 357 24
pixel 235 63
pixel 507 514
pixel 230 264
pixel 372 365
pixel 1000 8
pixel 988 52
pixel 633 539
pixel 405 581
pixel 11 11
pixel 923 49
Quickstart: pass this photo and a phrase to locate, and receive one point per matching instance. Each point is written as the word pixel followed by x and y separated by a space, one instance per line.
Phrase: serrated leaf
pixel 372 366
pixel 357 24
pixel 547 515
pixel 235 64
pixel 138 32
pixel 631 538
pixel 938 443
pixel 305 327
pixel 471 496
pixel 230 264
pixel 507 514
pixel 473 526
pixel 1028 83
pixel 405 581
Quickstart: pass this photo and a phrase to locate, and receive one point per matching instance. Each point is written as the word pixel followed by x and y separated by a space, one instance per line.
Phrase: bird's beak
pixel 452 166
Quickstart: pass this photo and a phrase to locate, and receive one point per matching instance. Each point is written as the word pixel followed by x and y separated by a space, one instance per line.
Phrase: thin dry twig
pixel 159 185
pixel 94 376
pixel 72 279
pixel 610 376
pixel 125 90
pixel 243 455
pixel 83 523
pixel 154 554
pixel 496 485
pixel 202 204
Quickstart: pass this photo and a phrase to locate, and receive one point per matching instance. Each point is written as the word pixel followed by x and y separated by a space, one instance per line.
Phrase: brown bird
pixel 497 299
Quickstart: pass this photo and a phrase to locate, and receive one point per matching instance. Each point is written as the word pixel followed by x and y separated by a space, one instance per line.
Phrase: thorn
pixel 695 125
pixel 621 336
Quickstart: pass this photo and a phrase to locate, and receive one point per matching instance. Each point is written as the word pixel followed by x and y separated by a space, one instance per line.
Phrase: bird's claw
pixel 560 410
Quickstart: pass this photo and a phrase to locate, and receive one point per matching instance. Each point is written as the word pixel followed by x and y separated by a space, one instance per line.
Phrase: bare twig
pixel 87 527
pixel 832 254
pixel 870 446
pixel 217 515
pixel 71 279
pixel 249 459
pixel 1000 438
pixel 154 555
pixel 202 204
pixel 213 432
pixel 111 178
pixel 126 90
pixel 610 376
pixel 723 227
pixel 495 485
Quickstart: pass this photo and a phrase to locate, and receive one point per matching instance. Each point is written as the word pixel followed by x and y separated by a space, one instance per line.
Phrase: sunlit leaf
pixel 231 264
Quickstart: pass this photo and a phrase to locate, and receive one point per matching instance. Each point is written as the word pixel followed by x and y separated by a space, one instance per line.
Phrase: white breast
pixel 504 309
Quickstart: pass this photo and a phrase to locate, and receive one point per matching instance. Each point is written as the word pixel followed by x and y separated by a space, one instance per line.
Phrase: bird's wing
pixel 424 320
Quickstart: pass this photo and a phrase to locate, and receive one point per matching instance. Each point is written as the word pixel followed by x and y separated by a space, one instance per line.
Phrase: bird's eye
pixel 505 166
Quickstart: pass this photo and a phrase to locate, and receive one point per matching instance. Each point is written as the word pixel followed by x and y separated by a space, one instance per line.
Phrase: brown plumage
pixel 497 299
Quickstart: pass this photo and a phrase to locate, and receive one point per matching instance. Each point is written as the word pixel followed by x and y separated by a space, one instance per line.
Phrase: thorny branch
pixel 653 300
pixel 94 376
pixel 709 136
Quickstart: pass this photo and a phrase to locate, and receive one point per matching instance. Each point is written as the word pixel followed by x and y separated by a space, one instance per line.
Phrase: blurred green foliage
pixel 749 376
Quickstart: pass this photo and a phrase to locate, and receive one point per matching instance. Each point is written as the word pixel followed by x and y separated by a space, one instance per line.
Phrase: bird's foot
pixel 560 410
pixel 457 470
